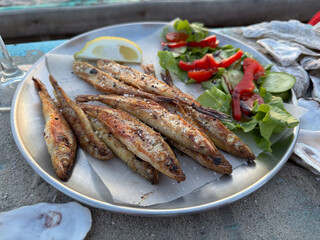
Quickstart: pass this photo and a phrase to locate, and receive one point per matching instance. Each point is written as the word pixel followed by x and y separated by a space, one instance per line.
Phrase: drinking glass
pixel 10 76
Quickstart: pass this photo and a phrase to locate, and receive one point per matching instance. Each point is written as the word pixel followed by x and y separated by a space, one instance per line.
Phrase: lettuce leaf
pixel 269 118
pixel 196 31
pixel 216 99
pixel 169 62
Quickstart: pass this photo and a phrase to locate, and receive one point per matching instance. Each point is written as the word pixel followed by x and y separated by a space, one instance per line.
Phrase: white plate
pixel 25 121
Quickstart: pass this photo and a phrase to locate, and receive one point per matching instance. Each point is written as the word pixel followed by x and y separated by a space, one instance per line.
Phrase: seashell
pixel 308 120
pixel 315 78
pixel 302 78
pixel 303 49
pixel 282 53
pixel 293 31
pixel 306 151
pixel 309 63
pixel 317 27
pixel 46 221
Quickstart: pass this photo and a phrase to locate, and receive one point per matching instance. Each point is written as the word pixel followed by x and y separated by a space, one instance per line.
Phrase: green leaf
pixel 196 31
pixel 169 62
pixel 261 141
pixel 165 31
pixel 215 99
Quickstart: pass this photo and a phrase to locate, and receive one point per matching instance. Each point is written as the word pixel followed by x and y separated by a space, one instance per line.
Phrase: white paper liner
pixel 124 185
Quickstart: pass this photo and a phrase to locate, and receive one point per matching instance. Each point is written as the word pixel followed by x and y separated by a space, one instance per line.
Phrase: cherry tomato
pixel 176 36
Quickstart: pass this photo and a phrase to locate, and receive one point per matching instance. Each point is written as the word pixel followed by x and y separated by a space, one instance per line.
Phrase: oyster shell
pixel 309 63
pixel 46 221
pixel 315 78
pixel 292 30
pixel 312 116
pixel 282 53
pixel 306 151
pixel 302 78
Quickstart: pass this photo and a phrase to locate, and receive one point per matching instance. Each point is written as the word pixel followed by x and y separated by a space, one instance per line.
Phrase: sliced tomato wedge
pixel 206 62
pixel 174 44
pixel 176 36
pixel 228 61
pixel 252 71
pixel 210 41
pixel 201 75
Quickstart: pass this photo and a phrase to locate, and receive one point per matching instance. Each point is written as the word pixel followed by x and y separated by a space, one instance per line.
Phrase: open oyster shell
pixel 293 31
pixel 307 149
pixel 281 52
pixel 46 221
pixel 315 78
pixel 310 63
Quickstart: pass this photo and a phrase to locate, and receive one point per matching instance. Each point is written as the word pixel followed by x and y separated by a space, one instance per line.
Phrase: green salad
pixel 233 81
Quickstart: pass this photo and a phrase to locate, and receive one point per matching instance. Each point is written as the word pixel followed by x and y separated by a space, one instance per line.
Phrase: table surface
pixel 286 207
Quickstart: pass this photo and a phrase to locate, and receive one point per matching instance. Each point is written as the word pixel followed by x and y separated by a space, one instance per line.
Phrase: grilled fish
pixel 60 140
pixel 152 85
pixel 221 136
pixel 104 82
pixel 121 151
pixel 140 139
pixel 156 116
pixel 219 165
pixel 80 125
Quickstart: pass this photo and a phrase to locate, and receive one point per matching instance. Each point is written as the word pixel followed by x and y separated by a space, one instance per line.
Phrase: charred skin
pixel 152 85
pixel 141 80
pixel 221 136
pixel 171 125
pixel 80 125
pixel 60 140
pixel 217 164
pixel 140 139
pixel 103 81
pixel 141 167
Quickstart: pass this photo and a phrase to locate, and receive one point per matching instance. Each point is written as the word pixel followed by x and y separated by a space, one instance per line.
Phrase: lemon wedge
pixel 111 48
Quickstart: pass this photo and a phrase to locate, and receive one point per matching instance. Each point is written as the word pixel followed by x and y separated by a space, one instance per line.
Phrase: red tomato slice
pixel 176 36
pixel 201 75
pixel 174 44
pixel 210 41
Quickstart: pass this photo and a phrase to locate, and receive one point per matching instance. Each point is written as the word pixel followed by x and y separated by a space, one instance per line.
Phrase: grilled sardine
pixel 60 140
pixel 144 142
pixel 121 151
pixel 219 165
pixel 80 125
pixel 104 82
